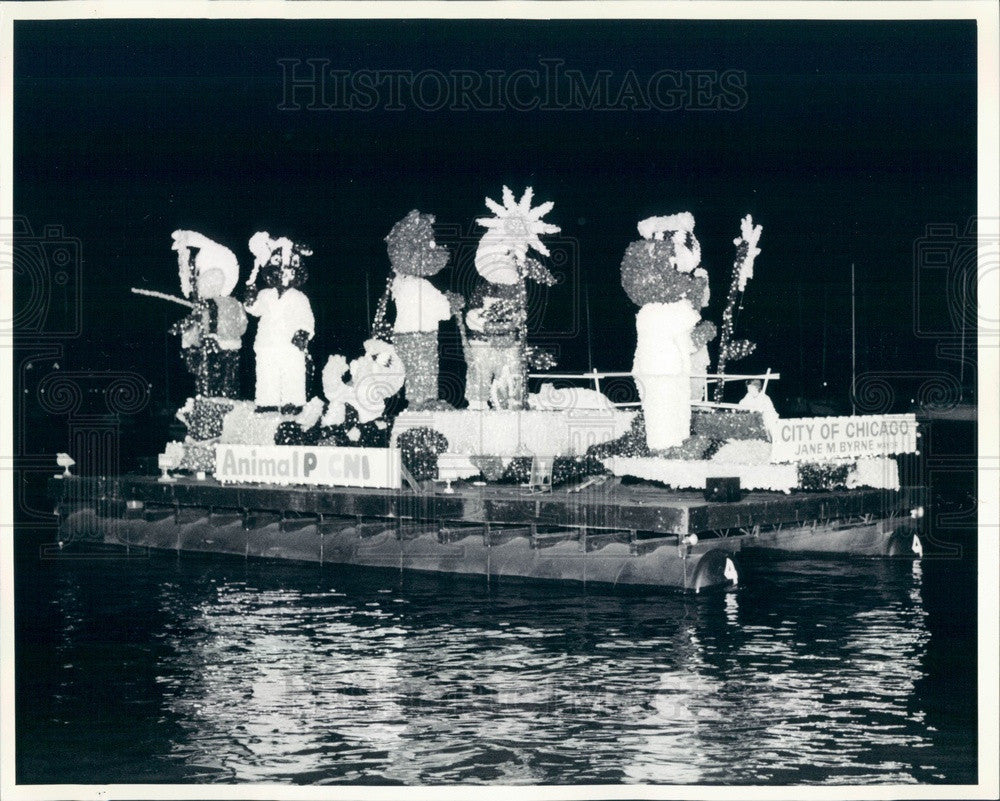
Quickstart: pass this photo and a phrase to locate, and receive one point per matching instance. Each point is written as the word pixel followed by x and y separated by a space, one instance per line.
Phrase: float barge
pixel 612 533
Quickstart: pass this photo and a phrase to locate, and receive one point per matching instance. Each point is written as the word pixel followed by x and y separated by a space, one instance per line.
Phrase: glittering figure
pixel 660 274
pixel 495 348
pixel 497 316
pixel 286 323
pixel 420 306
pixel 212 333
pixel 355 409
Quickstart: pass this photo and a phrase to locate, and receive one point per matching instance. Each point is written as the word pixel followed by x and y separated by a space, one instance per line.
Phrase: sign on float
pixel 378 468
pixel 809 439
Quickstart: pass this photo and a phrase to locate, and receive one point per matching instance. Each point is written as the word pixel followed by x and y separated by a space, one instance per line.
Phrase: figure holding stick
pixel 212 333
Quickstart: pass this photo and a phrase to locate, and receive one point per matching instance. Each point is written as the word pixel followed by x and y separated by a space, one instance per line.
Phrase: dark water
pixel 204 669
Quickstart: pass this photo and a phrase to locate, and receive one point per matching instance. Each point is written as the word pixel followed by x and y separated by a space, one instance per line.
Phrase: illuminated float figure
pixel 286 322
pixel 420 306
pixel 212 333
pixel 497 318
pixel 660 274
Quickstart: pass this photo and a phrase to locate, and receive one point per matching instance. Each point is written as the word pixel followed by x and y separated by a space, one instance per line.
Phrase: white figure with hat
pixel 286 322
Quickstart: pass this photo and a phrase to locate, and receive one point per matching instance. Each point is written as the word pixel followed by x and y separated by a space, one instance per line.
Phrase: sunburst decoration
pixel 517 225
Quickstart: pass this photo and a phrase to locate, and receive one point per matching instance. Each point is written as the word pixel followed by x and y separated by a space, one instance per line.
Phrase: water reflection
pixel 262 672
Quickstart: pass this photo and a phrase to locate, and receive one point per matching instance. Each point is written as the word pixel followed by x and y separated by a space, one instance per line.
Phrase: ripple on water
pixel 259 672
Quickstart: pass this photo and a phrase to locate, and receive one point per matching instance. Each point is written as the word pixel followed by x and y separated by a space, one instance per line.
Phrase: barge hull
pixel 609 535
pixel 664 562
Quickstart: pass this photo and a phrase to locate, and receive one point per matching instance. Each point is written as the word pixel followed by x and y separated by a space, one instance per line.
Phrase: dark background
pixel 855 136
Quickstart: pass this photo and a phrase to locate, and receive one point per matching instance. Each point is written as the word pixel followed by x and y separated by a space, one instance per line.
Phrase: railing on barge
pixel 704 403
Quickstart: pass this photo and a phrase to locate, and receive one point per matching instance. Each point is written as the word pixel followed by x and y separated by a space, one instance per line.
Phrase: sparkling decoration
pixel 749 237
pixel 290 433
pixel 572 469
pixel 565 469
pixel 692 474
pixel 418 351
pixel 538 358
pixel 746 252
pixel 538 272
pixel 381 327
pixel 198 456
pixel 739 349
pixel 205 418
pixel 512 231
pixel 723 424
pixel 420 448
pixel 703 333
pixel 694 447
pixel 631 443
pixel 244 426
pixel 411 246
pixel 648 275
pixel 823 477
pixel 336 433
pixel 517 471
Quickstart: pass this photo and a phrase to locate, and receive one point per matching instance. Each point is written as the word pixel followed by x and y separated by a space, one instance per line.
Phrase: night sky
pixel 849 140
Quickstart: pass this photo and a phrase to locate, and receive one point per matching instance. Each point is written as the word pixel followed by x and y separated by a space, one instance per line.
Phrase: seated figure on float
pixel 757 400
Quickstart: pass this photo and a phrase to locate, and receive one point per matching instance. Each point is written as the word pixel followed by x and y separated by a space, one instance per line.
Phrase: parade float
pixel 557 483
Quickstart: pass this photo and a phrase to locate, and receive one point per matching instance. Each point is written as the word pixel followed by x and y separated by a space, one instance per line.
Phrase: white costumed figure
pixel 338 392
pixel 660 274
pixel 377 376
pixel 286 323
